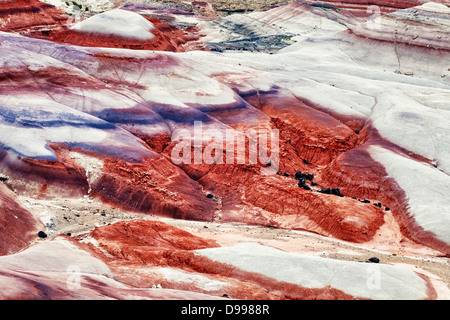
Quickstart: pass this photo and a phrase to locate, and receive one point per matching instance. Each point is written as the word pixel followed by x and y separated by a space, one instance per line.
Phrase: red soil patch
pixel 167 38
pixel 135 243
pixel 18 227
pixel 30 16
pixel 154 186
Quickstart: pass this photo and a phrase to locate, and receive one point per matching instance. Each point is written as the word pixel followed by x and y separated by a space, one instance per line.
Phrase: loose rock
pixel 42 234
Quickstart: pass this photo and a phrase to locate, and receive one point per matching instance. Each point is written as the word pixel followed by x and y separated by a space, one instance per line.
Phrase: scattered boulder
pixel 302 184
pixel 326 191
pixel 209 196
pixel 374 260
pixel 306 175
pixel 334 191
pixel 42 234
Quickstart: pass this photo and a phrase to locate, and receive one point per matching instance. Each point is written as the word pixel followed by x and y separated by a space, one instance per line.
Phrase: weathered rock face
pixel 116 29
pixel 134 103
pixel 19 227
pixel 30 17
pixel 416 26
pixel 90 166
pixel 280 202
pixel 61 269
pixel 141 187
pixel 152 260
pixel 372 9
pixel 119 109
pixel 143 253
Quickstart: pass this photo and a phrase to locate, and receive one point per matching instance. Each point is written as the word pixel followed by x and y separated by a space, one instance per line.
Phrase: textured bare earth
pixel 79 218
pixel 93 112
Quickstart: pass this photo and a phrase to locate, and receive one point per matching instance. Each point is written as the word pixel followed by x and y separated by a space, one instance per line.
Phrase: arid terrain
pixel 252 150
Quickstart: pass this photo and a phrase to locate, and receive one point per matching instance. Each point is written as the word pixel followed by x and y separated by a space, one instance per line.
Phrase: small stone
pixel 308 176
pixel 374 260
pixel 336 192
pixel 42 234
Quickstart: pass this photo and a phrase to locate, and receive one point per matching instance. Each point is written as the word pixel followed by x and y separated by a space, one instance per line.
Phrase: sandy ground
pixel 78 217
